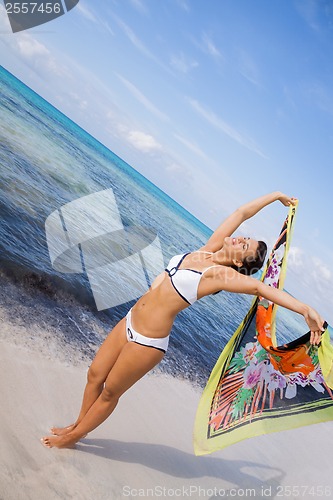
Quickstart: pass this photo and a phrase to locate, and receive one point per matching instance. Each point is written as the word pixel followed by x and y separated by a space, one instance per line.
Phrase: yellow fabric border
pixel 290 230
pixel 262 427
pixel 325 354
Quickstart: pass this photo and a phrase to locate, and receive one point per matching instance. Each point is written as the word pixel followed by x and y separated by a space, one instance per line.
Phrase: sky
pixel 216 102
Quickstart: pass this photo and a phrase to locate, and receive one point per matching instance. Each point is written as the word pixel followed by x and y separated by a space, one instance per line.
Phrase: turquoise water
pixel 46 160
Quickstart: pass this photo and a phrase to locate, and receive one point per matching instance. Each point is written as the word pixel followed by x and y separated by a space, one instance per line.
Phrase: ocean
pixel 46 161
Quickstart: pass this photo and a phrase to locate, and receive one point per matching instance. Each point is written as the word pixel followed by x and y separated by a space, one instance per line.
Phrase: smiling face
pixel 238 248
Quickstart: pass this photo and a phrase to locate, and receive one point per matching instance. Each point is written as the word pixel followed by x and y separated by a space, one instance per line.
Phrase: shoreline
pixel 64 329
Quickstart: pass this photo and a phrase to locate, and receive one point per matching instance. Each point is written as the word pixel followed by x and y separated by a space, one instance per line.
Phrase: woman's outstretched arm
pixel 312 317
pixel 244 212
pixel 232 281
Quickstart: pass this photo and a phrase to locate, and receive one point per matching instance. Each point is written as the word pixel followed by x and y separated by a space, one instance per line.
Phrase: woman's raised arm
pixel 244 212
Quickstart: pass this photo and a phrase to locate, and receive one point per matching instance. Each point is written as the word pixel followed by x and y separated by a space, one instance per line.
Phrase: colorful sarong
pixel 257 387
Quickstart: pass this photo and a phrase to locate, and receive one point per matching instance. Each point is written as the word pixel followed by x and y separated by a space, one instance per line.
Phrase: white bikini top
pixel 185 281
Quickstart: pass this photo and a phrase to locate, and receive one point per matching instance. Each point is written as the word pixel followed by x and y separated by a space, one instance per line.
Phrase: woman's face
pixel 239 247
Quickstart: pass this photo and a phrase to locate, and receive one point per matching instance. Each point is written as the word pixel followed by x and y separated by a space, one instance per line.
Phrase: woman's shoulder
pixel 204 249
pixel 225 274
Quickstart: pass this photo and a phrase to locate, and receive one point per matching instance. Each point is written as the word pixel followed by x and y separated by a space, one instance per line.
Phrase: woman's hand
pixel 315 323
pixel 287 200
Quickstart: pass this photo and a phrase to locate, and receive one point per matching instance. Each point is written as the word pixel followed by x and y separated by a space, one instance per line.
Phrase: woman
pixel 139 341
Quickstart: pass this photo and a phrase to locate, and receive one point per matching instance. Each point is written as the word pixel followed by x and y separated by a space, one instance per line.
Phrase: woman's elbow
pixel 251 286
pixel 257 288
pixel 242 213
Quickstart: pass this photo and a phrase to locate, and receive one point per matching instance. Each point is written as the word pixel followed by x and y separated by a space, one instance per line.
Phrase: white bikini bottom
pixel 133 336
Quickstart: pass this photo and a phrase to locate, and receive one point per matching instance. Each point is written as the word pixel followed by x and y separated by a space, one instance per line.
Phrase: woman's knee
pixel 95 376
pixel 110 394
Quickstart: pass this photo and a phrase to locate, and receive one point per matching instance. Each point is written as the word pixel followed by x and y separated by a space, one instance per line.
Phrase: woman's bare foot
pixel 65 441
pixel 61 431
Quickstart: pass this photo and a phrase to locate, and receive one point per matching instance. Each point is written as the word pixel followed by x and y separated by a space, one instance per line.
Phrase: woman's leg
pixel 98 372
pixel 133 362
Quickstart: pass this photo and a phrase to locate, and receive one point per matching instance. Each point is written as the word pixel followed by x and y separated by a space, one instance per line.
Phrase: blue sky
pixel 215 101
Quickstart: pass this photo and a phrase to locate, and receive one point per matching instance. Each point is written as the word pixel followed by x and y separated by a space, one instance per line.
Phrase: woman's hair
pixel 252 264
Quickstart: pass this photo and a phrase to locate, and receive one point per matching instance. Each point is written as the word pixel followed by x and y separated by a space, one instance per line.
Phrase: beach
pixel 144 450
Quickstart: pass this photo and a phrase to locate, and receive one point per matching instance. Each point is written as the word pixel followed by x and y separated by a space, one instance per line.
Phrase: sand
pixel 144 450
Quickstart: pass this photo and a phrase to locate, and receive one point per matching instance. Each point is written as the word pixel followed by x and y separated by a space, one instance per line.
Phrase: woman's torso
pixel 188 277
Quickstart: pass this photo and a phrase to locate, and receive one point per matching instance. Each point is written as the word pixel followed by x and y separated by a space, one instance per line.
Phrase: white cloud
pixel 81 103
pixel 308 10
pixel 139 6
pixel 248 68
pixel 224 127
pixel 134 38
pixel 309 279
pixel 31 52
pixel 183 4
pixel 30 47
pixel 87 13
pixel 5 27
pixel 145 143
pixel 106 25
pixel 295 257
pixel 182 64
pixel 142 98
pixel 174 168
pixel 206 45
pixel 318 94
pixel 209 46
pixel 138 43
pixel 192 147
pixel 320 269
pixel 180 176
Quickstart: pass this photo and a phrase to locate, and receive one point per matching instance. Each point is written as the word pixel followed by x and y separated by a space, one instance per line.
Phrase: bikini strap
pixel 181 260
pixel 210 267
pixel 171 272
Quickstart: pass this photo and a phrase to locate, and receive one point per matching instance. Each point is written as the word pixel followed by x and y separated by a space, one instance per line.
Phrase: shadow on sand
pixel 176 463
